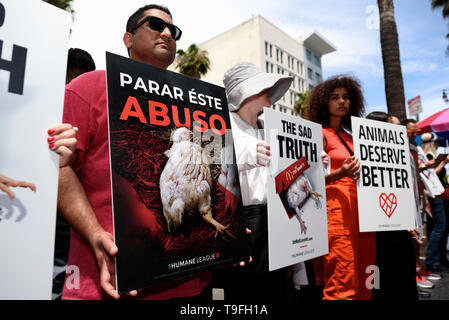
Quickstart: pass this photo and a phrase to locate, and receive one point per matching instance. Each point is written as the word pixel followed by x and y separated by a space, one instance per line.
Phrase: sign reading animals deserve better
pixel 296 196
pixel 385 187
pixel 175 187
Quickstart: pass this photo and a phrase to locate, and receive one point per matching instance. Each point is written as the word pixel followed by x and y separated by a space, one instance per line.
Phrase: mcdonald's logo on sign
pixel 289 176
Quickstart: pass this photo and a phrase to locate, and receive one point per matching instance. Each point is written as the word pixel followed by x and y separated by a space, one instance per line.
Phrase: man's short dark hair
pixel 378 116
pixel 80 59
pixel 407 121
pixel 136 16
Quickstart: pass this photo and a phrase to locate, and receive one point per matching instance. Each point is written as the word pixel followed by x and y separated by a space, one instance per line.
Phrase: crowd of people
pixel 84 193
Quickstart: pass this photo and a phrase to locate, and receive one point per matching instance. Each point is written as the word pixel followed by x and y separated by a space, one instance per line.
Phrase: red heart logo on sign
pixel 388 203
pixel 217 255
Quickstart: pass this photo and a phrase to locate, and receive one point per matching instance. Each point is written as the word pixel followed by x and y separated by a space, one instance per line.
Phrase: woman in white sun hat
pixel 248 91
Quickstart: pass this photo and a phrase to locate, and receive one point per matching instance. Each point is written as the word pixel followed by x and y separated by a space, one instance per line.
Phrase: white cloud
pixel 414 66
pixel 432 104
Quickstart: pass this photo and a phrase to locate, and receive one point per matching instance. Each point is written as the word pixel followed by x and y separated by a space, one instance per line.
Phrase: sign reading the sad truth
pixel 385 187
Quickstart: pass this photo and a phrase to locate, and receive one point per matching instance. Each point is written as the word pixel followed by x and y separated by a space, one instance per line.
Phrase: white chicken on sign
pixel 185 183
pixel 297 194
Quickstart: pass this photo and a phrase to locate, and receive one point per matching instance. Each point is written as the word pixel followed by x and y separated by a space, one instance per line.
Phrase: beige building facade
pixel 259 41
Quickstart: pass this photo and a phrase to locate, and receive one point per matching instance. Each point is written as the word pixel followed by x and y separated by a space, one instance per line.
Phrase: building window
pixel 282 57
pixel 267 66
pixel 310 87
pixel 277 54
pixel 271 51
pixel 310 73
pixel 266 48
pixel 309 55
pixel 288 61
pixel 271 67
pixel 316 60
pixel 317 77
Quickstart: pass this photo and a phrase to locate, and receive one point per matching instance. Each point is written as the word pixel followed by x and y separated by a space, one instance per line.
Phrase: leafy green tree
pixel 62 4
pixel 194 62
pixel 300 104
pixel 394 84
pixel 445 10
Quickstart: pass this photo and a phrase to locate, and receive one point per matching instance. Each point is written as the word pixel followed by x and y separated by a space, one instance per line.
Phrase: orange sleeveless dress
pixel 343 270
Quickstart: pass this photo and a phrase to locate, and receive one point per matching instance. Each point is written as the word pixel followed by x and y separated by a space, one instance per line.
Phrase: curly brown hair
pixel 318 99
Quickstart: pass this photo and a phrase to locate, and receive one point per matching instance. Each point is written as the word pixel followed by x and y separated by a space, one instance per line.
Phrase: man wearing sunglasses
pixel 84 196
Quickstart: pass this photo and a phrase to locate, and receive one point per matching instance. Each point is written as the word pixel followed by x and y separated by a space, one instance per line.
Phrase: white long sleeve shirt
pixel 253 177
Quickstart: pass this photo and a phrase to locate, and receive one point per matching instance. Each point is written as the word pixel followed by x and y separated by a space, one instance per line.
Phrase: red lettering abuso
pixel 158 115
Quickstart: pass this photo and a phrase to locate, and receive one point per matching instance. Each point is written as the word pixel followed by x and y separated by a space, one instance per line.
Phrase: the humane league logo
pixel 388 203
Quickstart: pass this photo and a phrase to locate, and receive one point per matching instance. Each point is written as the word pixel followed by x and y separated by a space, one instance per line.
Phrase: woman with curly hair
pixel 342 271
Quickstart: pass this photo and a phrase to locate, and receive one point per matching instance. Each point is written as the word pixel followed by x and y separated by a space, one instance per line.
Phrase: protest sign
pixel 32 79
pixel 297 221
pixel 385 187
pixel 431 182
pixel 414 106
pixel 428 176
pixel 175 188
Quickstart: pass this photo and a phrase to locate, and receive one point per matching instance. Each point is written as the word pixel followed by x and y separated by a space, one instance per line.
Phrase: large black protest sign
pixel 175 200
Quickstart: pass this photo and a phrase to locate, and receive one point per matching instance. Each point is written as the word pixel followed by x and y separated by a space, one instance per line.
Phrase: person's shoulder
pixel 327 131
pixel 88 80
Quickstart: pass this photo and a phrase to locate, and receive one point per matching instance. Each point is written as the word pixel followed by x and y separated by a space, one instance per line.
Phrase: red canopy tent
pixel 437 123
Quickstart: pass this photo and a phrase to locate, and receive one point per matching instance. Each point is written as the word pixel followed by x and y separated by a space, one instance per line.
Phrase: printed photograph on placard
pixel 176 194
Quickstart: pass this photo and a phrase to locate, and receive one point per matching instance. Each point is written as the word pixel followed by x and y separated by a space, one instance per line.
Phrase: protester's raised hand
pixel 263 153
pixel 325 160
pixel 62 140
pixel 416 235
pixel 351 168
pixel 6 183
pixel 105 250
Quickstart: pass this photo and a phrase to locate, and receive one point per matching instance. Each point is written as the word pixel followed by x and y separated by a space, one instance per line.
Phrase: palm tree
pixel 194 63
pixel 300 104
pixel 394 85
pixel 441 3
pixel 445 5
pixel 62 4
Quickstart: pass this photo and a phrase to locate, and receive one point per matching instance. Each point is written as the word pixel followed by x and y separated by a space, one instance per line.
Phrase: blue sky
pixel 351 25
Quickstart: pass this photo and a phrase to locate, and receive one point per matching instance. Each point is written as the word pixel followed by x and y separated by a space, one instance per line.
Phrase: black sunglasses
pixel 159 25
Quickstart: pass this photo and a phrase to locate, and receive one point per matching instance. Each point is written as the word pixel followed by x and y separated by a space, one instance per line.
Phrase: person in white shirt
pixel 248 91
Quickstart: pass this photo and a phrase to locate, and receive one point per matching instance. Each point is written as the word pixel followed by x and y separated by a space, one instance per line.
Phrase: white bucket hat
pixel 245 80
